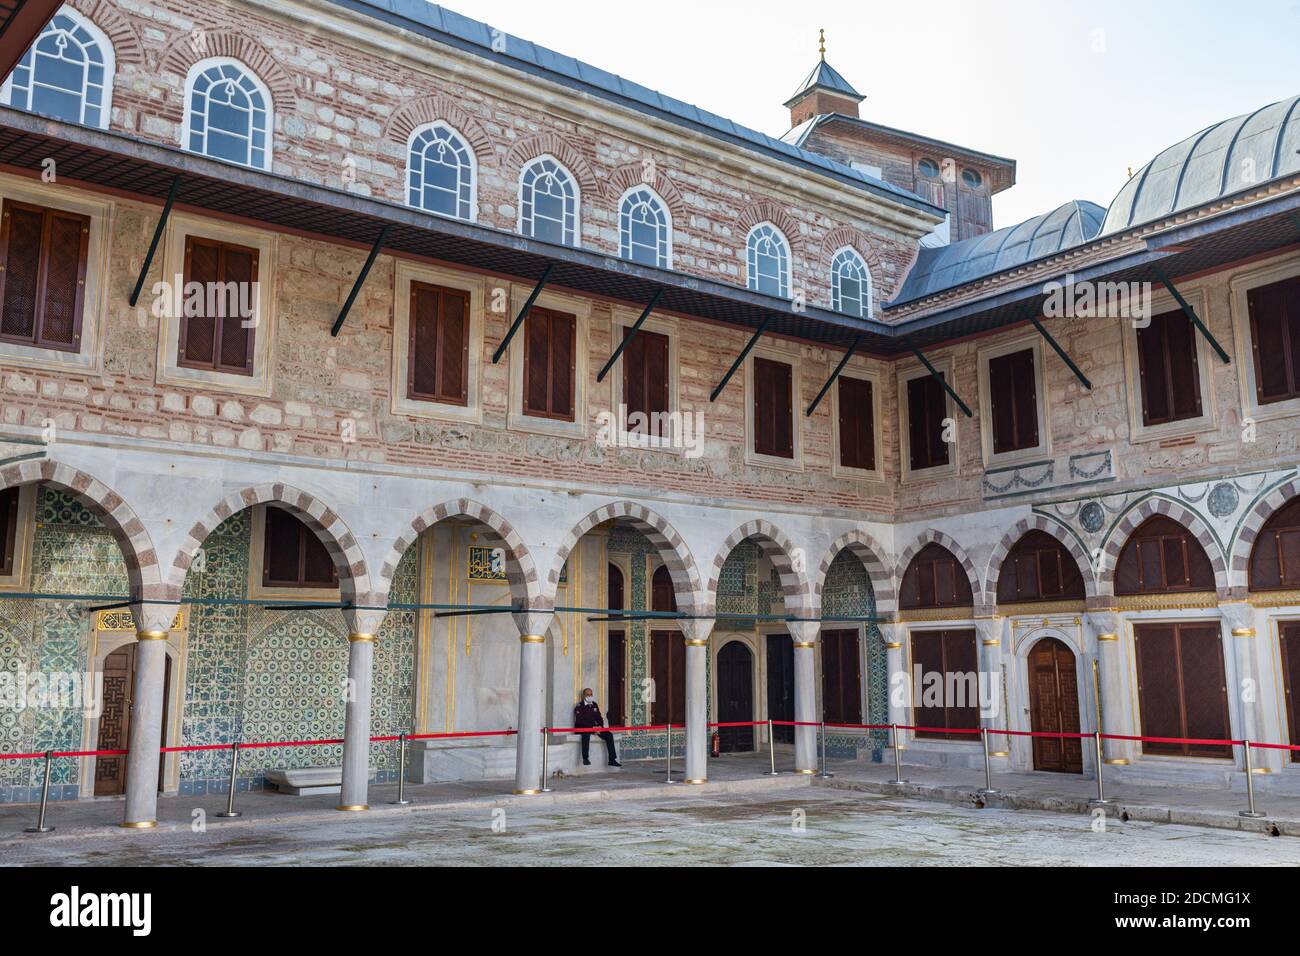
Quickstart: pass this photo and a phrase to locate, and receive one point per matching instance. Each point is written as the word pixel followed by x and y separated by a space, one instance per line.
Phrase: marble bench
pixel 306 781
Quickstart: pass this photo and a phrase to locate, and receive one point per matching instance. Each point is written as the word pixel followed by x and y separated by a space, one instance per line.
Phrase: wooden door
pixel 841 677
pixel 115 720
pixel 1182 690
pixel 1054 707
pixel 668 670
pixel 736 696
pixel 780 684
pixel 1291 681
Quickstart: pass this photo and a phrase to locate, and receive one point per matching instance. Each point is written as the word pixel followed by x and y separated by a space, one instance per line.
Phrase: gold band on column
pixel 806 773
pixel 695 642
pixel 697 782
pixel 532 638
pixel 1103 638
pixel 151 635
pixel 525 793
pixel 138 824
pixel 805 644
pixel 993 642
pixel 352 807
pixel 361 638
pixel 894 645
pixel 1243 632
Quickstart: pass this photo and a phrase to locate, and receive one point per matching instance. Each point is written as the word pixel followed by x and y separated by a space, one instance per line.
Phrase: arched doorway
pixel 1054 707
pixel 115 719
pixel 736 696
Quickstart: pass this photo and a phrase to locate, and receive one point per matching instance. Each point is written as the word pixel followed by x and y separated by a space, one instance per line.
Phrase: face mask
pixel 588 699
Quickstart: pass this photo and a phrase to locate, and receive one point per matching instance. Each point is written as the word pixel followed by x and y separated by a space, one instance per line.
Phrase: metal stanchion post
pixel 546 760
pixel 230 810
pixel 669 750
pixel 771 750
pixel 825 773
pixel 898 755
pixel 45 798
pixel 1099 800
pixel 401 800
pixel 1250 786
pixel 988 764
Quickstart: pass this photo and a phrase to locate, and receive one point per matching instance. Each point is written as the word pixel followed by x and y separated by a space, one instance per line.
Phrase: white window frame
pixel 751 258
pixel 1044 447
pixel 192 77
pixel 170 372
pixel 788 356
pixel 625 318
pixel 577 199
pixel 471 166
pixel 906 374
pixel 1240 286
pixel 861 372
pixel 94 309
pixel 836 299
pixel 405 273
pixel 624 240
pixel 578 307
pixel 1162 302
pixel 106 51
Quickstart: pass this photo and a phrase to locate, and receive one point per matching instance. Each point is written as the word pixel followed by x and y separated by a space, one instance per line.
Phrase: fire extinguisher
pixel 715 745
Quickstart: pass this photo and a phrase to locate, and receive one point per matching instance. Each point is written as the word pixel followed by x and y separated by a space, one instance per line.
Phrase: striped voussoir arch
pixel 1042 523
pixel 521 570
pixel 1258 516
pixel 931 536
pixel 1158 506
pixel 800 601
pixel 143 571
pixel 672 550
pixel 354 577
pixel 874 558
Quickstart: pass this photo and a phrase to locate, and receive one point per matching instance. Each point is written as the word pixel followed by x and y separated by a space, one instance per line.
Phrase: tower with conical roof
pixel 824 90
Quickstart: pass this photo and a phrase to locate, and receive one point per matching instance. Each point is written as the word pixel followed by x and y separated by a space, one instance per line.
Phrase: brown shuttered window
pixel 645 382
pixel 1161 556
pixel 952 654
pixel 1182 691
pixel 292 556
pixel 1275 339
pixel 1169 369
pixel 773 408
pixel 667 656
pixel 616 651
pixel 1013 401
pixel 438 355
pixel 935 578
pixel 927 407
pixel 42 275
pixel 857 423
pixel 841 677
pixel 550 369
pixel 215 332
pixel 8 530
pixel 1290 633
pixel 1275 558
pixel 1039 568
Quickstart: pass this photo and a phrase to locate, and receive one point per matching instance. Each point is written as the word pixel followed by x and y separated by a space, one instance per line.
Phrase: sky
pixel 1075 92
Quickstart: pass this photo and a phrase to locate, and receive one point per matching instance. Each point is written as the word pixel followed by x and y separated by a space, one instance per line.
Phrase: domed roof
pixel 945 267
pixel 1220 160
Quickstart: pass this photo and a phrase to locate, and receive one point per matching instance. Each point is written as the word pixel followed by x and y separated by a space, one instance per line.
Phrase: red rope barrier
pixel 612 730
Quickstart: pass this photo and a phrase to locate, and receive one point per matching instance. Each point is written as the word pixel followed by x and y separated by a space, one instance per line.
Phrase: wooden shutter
pixel 773 408
pixel 43 257
pixel 645 378
pixel 935 578
pixel 1169 369
pixel 959 657
pixel 1162 556
pixel 438 351
pixel 1275 339
pixel 1290 634
pixel 1275 557
pixel 945 652
pixel 857 424
pixel 8 530
pixel 220 341
pixel 1039 568
pixel 1182 691
pixel 1013 401
pixel 550 364
pixel 292 555
pixel 841 677
pixel 926 410
pixel 616 678
pixel 660 653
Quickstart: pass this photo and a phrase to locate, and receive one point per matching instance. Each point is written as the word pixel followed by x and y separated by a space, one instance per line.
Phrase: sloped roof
pixel 1228 157
pixel 945 267
pixel 825 77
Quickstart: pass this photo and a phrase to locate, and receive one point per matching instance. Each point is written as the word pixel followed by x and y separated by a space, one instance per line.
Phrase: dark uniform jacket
pixel 587 715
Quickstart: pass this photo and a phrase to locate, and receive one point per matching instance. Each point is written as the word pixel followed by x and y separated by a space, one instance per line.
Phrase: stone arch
pixel 931 536
pixel 1037 522
pixel 874 558
pixel 127 47
pixel 182 56
pixel 677 557
pixel 521 570
pixel 143 570
pixel 354 576
pixel 550 144
pixel 800 601
pixel 633 174
pixel 413 114
pixel 764 210
pixel 842 236
pixel 1151 507
pixel 1258 515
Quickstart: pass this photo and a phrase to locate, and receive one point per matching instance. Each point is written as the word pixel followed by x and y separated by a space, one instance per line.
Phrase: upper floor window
pixel 1162 555
pixel 228 113
pixel 1013 401
pixel 1275 558
pixel 293 557
pixel 1169 369
pixel 218 326
pixel 768 258
pixel 440 172
pixel 857 423
pixel 927 422
pixel 647 383
pixel 1275 339
pixel 550 364
pixel 773 391
pixel 1039 568
pixel 43 256
pixel 67 73
pixel 438 355
pixel 935 578
pixel 548 202
pixel 645 229
pixel 850 284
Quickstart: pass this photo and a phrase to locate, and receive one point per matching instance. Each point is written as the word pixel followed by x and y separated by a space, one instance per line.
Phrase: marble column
pixel 992 712
pixel 1104 630
pixel 899 682
pixel 152 622
pixel 363 631
pixel 533 626
pixel 804 634
pixel 1240 640
pixel 697 634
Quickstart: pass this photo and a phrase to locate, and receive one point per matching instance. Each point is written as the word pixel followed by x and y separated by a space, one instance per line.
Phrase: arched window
pixel 1039 568
pixel 548 202
pixel 1275 559
pixel 1161 556
pixel 645 230
pixel 850 284
pixel 440 172
pixel 67 73
pixel 935 578
pixel 228 113
pixel 768 258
